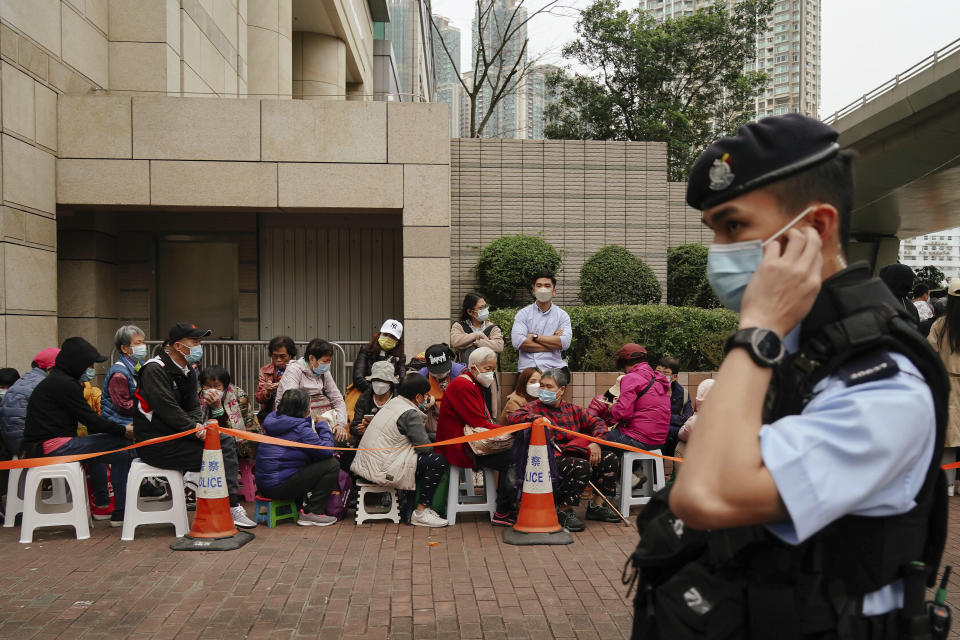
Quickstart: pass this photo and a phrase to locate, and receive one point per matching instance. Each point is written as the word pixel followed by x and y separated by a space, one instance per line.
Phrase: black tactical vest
pixel 745 582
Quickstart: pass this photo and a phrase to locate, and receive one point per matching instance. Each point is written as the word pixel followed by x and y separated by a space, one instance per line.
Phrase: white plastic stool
pixel 368 487
pixel 137 512
pixel 656 479
pixel 461 497
pixel 39 513
pixel 14 506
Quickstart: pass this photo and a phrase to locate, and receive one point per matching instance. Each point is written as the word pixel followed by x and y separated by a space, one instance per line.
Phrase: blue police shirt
pixel 862 449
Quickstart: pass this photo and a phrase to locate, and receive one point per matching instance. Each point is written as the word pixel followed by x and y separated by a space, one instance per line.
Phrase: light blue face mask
pixel 88 375
pixel 547 397
pixel 483 314
pixel 139 352
pixel 730 266
pixel 321 369
pixel 196 353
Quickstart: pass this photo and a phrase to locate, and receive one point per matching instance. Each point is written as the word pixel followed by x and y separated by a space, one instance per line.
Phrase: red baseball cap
pixel 631 351
pixel 46 358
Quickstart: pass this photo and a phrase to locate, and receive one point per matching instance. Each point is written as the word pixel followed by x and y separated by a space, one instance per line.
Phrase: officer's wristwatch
pixel 535 336
pixel 763 345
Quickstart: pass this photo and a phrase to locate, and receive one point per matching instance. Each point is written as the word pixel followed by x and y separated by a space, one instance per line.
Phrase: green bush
pixel 687 284
pixel 613 275
pixel 693 336
pixel 508 264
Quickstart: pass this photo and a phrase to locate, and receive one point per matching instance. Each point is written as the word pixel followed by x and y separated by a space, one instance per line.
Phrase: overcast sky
pixel 865 42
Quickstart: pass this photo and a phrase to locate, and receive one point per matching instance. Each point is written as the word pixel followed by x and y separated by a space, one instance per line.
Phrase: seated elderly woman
pixel 387 456
pixel 312 374
pixel 463 406
pixel 285 473
pixel 579 460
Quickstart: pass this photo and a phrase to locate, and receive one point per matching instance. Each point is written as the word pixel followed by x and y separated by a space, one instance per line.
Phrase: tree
pixel 931 276
pixel 500 55
pixel 687 284
pixel 507 265
pixel 681 81
pixel 613 275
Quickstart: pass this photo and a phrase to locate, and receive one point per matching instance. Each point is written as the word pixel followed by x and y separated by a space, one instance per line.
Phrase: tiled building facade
pixel 579 195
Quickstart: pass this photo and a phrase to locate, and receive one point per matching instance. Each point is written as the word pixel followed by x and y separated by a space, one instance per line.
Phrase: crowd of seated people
pixel 381 429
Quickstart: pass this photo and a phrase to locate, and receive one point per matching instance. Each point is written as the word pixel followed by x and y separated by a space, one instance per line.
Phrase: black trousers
pixel 430 469
pixel 575 473
pixel 318 479
pixel 506 489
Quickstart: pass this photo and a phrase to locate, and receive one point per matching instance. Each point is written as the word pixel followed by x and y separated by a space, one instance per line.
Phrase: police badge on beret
pixel 721 175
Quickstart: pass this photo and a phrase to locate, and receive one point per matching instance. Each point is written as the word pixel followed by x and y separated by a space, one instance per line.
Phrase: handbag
pixel 488 446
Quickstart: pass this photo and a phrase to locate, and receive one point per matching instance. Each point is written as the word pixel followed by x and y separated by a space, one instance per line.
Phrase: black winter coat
pixel 168 402
pixel 57 405
pixel 364 362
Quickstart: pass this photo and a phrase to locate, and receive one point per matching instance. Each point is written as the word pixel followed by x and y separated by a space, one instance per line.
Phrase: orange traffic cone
pixel 537 521
pixel 212 528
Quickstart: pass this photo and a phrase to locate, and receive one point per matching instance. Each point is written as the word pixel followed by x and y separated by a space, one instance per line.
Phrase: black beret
pixel 762 152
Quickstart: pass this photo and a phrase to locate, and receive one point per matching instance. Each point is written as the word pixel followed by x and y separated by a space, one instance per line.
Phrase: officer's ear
pixel 826 220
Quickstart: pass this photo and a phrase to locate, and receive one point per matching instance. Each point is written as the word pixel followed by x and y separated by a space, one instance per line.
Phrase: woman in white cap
pixel 945 338
pixel 384 345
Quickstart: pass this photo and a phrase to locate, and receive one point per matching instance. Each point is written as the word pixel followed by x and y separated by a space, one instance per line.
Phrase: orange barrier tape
pixel 27 463
pixel 952 465
pixel 608 443
pixel 492 433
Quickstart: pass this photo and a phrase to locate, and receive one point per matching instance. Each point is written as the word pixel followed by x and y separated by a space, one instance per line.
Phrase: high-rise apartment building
pixel 789 52
pixel 509 118
pixel 940 249
pixel 539 95
pixel 411 36
pixel 446 60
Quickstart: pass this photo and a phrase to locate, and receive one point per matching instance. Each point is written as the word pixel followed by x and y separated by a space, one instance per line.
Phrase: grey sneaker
pixel 240 518
pixel 315 519
pixel 427 518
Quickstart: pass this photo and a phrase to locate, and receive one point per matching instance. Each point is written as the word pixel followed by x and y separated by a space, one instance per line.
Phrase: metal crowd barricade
pixel 243 359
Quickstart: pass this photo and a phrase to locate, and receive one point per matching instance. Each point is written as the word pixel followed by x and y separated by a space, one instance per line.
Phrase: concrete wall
pixel 161 153
pixel 579 195
pixel 47 47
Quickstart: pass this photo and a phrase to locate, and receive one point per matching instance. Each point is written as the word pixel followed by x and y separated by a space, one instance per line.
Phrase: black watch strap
pixel 764 345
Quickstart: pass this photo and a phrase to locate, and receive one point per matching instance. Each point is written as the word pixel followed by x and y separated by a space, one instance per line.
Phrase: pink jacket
pixel 646 418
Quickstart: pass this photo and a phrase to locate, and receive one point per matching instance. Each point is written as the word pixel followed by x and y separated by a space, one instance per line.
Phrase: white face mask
pixel 380 388
pixel 543 294
pixel 485 378
pixel 533 389
pixel 731 266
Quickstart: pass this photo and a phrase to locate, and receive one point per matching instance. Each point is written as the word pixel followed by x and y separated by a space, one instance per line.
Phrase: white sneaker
pixel 240 518
pixel 427 518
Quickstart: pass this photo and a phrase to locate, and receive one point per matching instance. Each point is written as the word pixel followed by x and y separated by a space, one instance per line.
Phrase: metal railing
pixel 243 359
pixel 894 82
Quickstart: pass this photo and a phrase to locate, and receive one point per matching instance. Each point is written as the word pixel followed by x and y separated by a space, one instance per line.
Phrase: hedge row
pixel 693 336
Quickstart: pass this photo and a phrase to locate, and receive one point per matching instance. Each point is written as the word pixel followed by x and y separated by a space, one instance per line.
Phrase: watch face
pixel 768 344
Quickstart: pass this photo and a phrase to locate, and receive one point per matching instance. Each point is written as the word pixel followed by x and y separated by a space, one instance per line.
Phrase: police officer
pixel 814 466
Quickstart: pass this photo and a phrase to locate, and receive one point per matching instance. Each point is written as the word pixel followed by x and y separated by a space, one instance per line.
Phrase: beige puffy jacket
pixel 396 467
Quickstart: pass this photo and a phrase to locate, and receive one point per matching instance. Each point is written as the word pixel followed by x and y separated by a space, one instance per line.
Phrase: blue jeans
pixel 615 435
pixel 119 463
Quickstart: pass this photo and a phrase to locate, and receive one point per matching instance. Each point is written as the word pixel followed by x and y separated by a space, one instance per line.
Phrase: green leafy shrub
pixel 508 264
pixel 693 336
pixel 687 284
pixel 613 275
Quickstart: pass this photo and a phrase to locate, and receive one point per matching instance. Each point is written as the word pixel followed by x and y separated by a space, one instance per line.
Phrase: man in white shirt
pixel 542 330
pixel 921 300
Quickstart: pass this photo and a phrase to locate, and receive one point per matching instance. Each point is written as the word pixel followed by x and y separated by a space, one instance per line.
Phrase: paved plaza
pixel 374 581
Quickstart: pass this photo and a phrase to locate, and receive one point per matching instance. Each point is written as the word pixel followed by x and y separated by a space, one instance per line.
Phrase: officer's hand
pixel 785 285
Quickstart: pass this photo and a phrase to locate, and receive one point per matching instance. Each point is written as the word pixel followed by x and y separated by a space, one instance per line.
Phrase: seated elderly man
pixel 579 460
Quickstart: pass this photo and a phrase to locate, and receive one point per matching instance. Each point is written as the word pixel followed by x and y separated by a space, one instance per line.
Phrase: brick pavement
pixel 376 581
